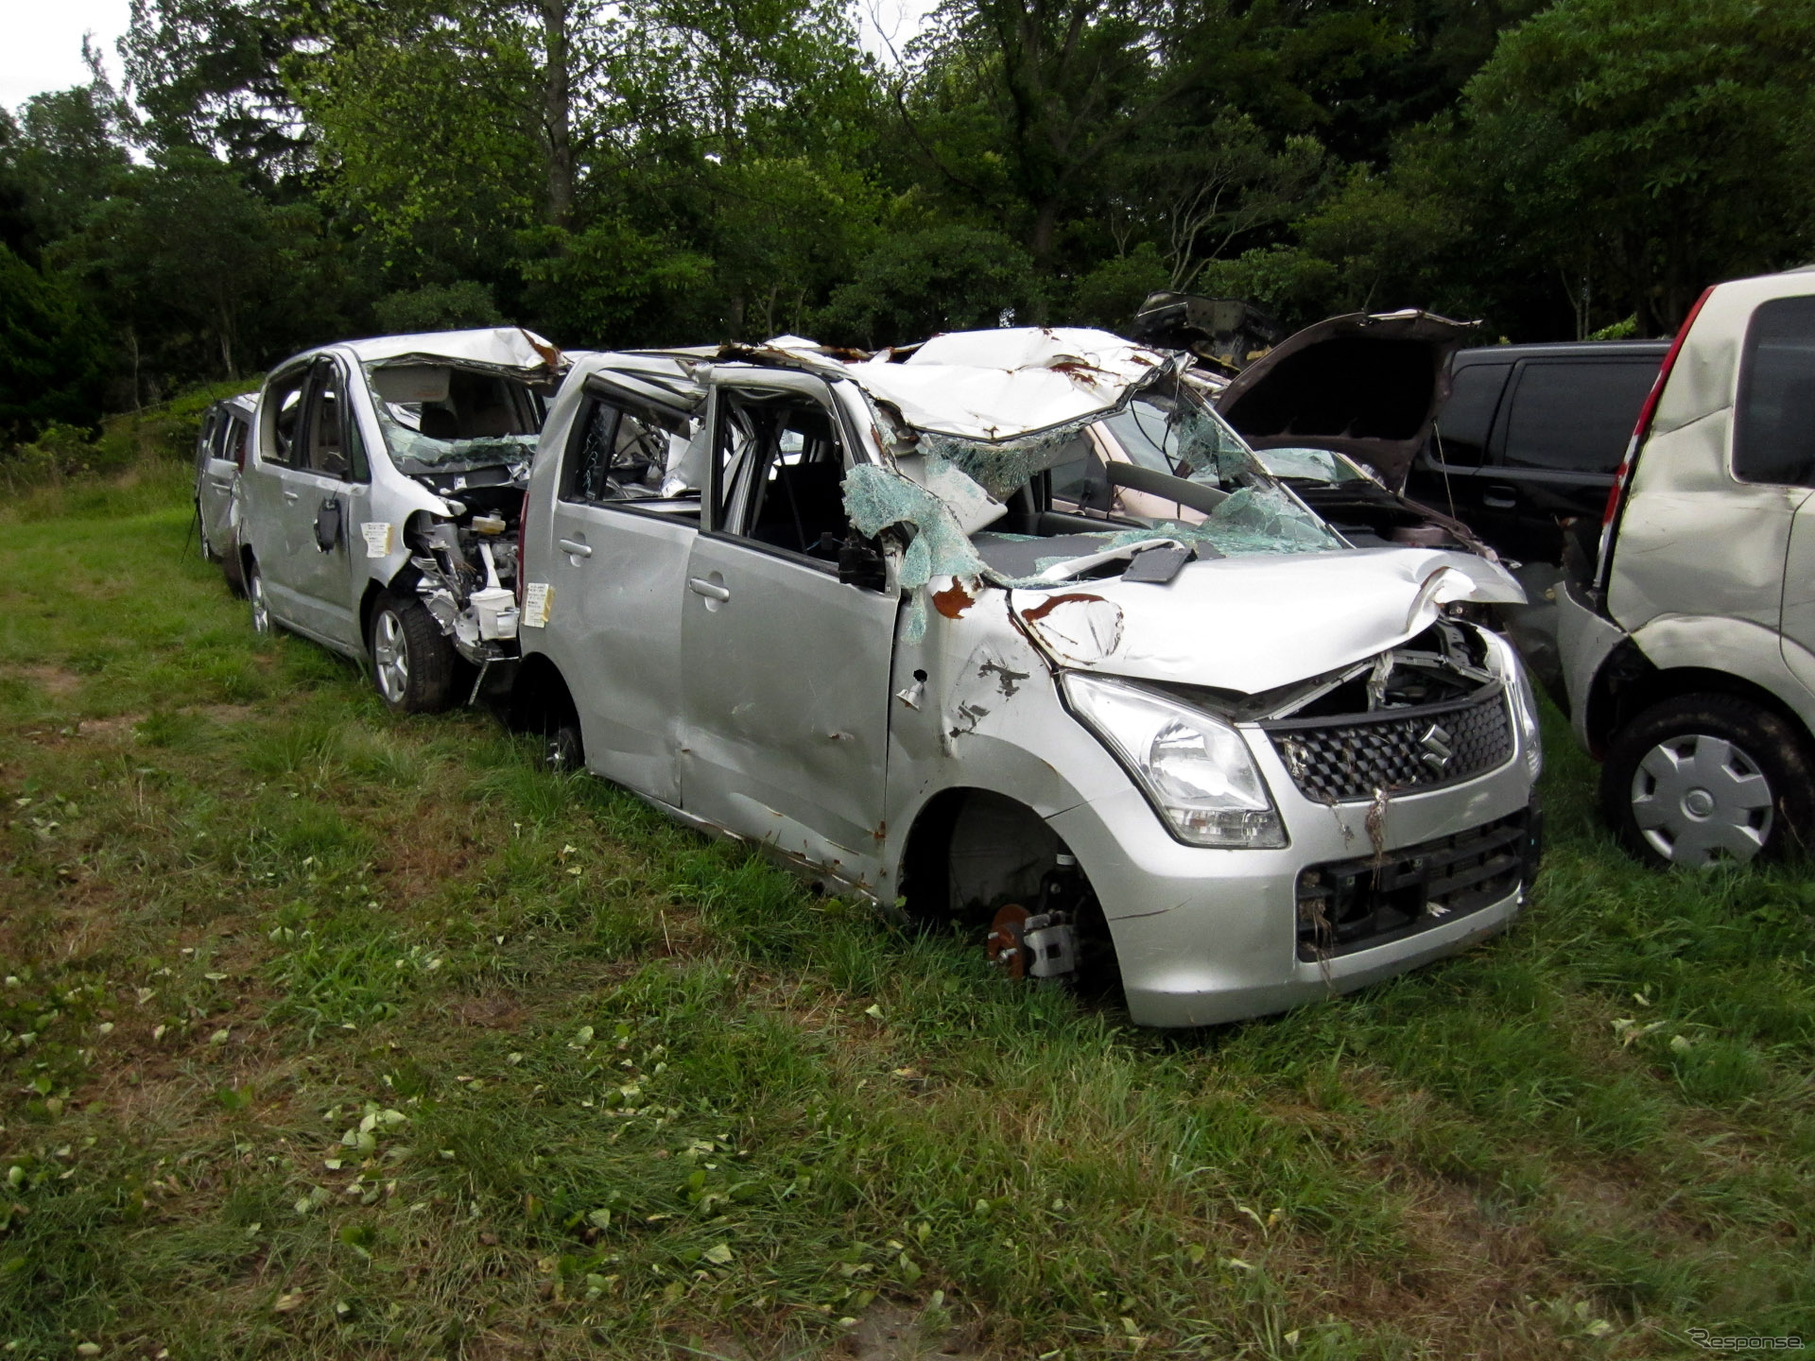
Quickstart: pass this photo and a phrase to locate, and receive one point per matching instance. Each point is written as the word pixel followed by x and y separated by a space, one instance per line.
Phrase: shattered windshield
pixel 443 418
pixel 1310 465
pixel 952 493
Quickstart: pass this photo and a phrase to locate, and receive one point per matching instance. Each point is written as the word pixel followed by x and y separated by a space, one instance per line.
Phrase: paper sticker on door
pixel 378 539
pixel 538 604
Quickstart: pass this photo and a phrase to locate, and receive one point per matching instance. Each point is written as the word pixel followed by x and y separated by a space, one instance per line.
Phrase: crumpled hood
pixel 1252 624
pixel 1366 385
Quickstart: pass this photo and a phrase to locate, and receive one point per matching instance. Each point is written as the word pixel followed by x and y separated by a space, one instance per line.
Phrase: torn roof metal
pixel 498 347
pixel 988 385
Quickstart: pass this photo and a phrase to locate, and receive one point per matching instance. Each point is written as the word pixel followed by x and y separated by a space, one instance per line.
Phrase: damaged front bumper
pixel 1205 936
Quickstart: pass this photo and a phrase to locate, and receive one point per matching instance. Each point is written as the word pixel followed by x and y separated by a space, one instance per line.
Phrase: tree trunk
pixel 557 110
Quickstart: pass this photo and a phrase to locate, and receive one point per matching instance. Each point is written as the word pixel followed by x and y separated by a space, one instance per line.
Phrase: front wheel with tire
pixel 564 752
pixel 1704 779
pixel 255 597
pixel 413 663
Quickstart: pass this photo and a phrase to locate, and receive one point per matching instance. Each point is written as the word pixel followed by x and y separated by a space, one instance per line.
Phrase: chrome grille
pixel 1397 750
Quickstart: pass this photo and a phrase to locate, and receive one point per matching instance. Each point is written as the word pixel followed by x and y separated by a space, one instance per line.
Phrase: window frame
pixel 1742 391
pixel 800 388
pixel 1491 432
pixel 597 391
pixel 326 370
pixel 1508 412
pixel 271 411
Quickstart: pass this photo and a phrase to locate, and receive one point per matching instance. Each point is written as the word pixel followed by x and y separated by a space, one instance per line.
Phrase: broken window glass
pixel 440 418
pixel 621 452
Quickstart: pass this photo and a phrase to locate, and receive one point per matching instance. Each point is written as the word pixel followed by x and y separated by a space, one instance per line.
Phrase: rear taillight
pixel 1622 478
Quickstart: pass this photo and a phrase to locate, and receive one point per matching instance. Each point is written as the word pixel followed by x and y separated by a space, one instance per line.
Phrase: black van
pixel 1531 435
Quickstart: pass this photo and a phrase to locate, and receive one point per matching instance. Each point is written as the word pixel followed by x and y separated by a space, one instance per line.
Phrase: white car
pixel 1688 648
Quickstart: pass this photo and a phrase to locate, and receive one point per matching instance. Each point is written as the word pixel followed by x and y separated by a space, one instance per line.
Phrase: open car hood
pixel 1254 623
pixel 1366 385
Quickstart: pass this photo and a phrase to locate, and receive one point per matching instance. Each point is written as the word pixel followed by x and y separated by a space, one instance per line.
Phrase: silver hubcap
pixel 255 592
pixel 390 657
pixel 1698 799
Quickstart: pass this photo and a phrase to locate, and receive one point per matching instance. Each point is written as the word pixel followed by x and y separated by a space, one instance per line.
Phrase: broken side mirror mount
pixel 328 525
pixel 860 563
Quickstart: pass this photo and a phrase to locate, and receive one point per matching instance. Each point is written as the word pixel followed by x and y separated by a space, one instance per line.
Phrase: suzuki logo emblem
pixel 1437 750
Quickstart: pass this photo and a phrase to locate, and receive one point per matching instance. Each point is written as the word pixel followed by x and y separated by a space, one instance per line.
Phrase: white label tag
pixel 538 604
pixel 378 539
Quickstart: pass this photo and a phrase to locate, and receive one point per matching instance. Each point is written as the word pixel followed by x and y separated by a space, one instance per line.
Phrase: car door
pixel 267 495
pixel 785 667
pixel 219 472
pixel 326 489
pixel 1774 448
pixel 613 566
pixel 1452 473
pixel 1566 426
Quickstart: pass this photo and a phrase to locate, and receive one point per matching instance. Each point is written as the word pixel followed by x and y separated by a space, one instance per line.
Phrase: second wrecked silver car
pixel 824 602
pixel 381 498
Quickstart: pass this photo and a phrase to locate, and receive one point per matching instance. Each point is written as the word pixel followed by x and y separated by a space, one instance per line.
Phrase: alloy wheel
pixel 255 594
pixel 390 657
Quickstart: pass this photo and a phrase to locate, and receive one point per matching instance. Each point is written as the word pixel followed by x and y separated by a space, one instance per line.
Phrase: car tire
pixel 255 597
pixel 1705 779
pixel 233 566
pixel 201 535
pixel 413 663
pixel 565 752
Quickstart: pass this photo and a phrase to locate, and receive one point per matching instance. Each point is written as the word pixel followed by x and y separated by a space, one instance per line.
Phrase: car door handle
pixel 700 586
pixel 1500 497
pixel 578 549
pixel 290 495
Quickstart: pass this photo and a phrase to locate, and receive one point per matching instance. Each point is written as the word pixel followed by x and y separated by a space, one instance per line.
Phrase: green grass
pixel 331 1034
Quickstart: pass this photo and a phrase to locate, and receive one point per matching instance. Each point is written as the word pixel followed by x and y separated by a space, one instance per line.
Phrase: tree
pixel 922 279
pixel 208 74
pixel 53 351
pixel 1658 145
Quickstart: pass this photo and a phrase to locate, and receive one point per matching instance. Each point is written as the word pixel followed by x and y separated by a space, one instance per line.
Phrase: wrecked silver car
pixel 824 602
pixel 220 454
pixel 381 499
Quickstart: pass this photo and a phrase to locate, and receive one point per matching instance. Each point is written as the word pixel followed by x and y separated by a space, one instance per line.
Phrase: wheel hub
pixel 1698 799
pixel 390 657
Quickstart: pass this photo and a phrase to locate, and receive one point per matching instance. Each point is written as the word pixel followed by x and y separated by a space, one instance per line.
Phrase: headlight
pixel 1195 769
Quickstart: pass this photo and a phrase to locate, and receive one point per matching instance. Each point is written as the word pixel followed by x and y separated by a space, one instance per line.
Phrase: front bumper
pixel 1205 936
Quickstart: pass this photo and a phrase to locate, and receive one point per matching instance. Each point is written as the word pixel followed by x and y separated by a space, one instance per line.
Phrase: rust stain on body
pixel 953 601
pixel 1052 603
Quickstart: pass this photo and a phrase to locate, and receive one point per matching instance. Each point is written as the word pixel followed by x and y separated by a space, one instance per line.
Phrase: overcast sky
pixel 41 40
pixel 41 44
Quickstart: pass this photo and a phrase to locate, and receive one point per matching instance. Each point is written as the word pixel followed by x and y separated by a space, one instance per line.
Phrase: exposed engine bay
pixel 1447 662
pixel 468 434
pixel 468 564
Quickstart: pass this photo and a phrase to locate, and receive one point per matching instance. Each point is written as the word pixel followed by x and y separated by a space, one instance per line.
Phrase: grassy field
pixel 328 1034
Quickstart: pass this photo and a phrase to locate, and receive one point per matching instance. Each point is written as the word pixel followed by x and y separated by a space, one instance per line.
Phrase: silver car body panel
pixel 755 694
pixel 217 471
pixel 319 592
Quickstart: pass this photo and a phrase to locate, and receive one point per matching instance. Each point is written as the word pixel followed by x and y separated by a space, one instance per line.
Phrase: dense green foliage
pixel 278 173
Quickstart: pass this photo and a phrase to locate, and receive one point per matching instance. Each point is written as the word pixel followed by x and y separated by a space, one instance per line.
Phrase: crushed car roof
pixel 988 385
pixel 509 347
